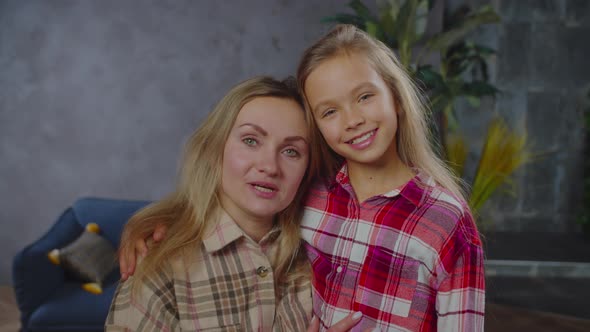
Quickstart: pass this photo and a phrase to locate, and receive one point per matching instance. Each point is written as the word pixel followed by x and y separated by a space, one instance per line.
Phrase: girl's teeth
pixel 362 138
pixel 263 189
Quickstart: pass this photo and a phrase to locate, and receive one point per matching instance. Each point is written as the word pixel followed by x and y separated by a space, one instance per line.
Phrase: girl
pixel 231 258
pixel 387 229
pixel 389 232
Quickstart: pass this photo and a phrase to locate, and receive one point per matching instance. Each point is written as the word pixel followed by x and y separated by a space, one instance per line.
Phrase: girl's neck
pixel 369 180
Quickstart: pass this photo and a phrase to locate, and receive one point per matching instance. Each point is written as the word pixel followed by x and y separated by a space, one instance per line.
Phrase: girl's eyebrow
pixel 265 133
pixel 362 86
pixel 321 105
pixel 355 90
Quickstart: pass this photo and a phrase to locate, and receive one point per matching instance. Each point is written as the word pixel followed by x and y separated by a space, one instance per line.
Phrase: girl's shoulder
pixel 447 212
pixel 433 195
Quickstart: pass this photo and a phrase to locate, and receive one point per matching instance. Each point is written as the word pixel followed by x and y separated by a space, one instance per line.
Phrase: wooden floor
pixel 498 318
pixel 9 315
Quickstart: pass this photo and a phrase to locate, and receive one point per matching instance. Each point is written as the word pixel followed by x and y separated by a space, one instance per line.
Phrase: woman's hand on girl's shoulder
pixel 128 253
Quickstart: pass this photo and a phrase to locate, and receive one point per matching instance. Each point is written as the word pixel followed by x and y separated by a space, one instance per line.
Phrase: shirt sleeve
pixel 152 307
pixel 460 298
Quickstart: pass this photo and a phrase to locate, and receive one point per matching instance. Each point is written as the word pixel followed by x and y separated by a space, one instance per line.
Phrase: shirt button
pixel 262 271
pixel 339 269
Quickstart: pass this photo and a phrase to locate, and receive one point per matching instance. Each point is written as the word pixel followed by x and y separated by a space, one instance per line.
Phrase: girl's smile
pixel 362 141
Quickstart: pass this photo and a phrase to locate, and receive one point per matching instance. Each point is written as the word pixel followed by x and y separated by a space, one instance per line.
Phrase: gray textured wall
pixel 97 97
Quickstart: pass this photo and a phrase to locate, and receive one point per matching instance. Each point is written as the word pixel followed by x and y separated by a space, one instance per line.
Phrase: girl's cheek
pixel 324 130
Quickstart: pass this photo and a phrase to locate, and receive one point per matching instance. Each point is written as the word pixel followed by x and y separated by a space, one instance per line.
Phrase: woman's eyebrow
pixel 291 139
pixel 255 127
pixel 265 133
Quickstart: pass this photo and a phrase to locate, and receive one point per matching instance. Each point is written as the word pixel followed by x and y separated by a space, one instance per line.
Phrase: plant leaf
pixel 473 101
pixel 361 10
pixel 421 19
pixel 479 89
pixel 393 7
pixel 456 152
pixel 503 153
pixel 387 21
pixel 405 20
pixel 483 50
pixel 372 29
pixel 405 28
pixel 430 78
pixel 445 39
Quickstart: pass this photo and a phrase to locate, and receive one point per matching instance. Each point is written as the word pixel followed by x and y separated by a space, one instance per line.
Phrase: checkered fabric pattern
pixel 226 284
pixel 409 260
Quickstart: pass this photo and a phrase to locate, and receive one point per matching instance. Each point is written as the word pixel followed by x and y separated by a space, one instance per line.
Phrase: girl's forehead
pixel 339 76
pixel 342 68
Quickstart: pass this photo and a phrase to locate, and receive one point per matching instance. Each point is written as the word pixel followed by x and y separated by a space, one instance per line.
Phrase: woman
pixel 231 258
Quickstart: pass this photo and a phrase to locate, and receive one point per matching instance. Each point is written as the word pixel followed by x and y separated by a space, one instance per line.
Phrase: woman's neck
pixel 369 180
pixel 255 228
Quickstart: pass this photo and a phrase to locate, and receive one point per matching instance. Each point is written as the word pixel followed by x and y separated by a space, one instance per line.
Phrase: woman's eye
pixel 250 141
pixel 291 153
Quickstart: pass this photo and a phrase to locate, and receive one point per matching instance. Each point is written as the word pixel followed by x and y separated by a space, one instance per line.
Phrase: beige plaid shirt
pixel 226 285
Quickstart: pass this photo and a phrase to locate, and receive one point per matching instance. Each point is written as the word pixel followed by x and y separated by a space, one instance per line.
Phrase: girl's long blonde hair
pixel 195 202
pixel 413 134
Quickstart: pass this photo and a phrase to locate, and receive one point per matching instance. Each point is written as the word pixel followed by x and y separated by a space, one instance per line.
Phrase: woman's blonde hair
pixel 413 133
pixel 195 202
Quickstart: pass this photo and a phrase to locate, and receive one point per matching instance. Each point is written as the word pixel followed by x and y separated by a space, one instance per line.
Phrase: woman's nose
pixel 268 163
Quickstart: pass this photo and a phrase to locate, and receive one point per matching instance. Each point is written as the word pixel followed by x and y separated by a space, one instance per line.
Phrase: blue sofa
pixel 48 298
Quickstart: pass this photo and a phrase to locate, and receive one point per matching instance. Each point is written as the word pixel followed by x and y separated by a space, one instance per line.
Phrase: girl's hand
pixel 342 326
pixel 128 254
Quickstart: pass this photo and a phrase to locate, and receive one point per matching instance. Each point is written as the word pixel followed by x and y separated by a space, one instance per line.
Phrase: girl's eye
pixel 328 112
pixel 365 97
pixel 291 153
pixel 250 141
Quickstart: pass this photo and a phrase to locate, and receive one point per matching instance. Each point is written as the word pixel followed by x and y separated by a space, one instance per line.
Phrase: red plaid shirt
pixel 409 260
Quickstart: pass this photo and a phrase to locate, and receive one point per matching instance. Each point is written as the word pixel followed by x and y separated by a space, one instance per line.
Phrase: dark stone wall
pixel 543 71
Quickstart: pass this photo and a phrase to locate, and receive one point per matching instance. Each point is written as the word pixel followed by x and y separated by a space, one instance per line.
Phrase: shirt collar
pixel 414 190
pixel 225 231
pixel 341 177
